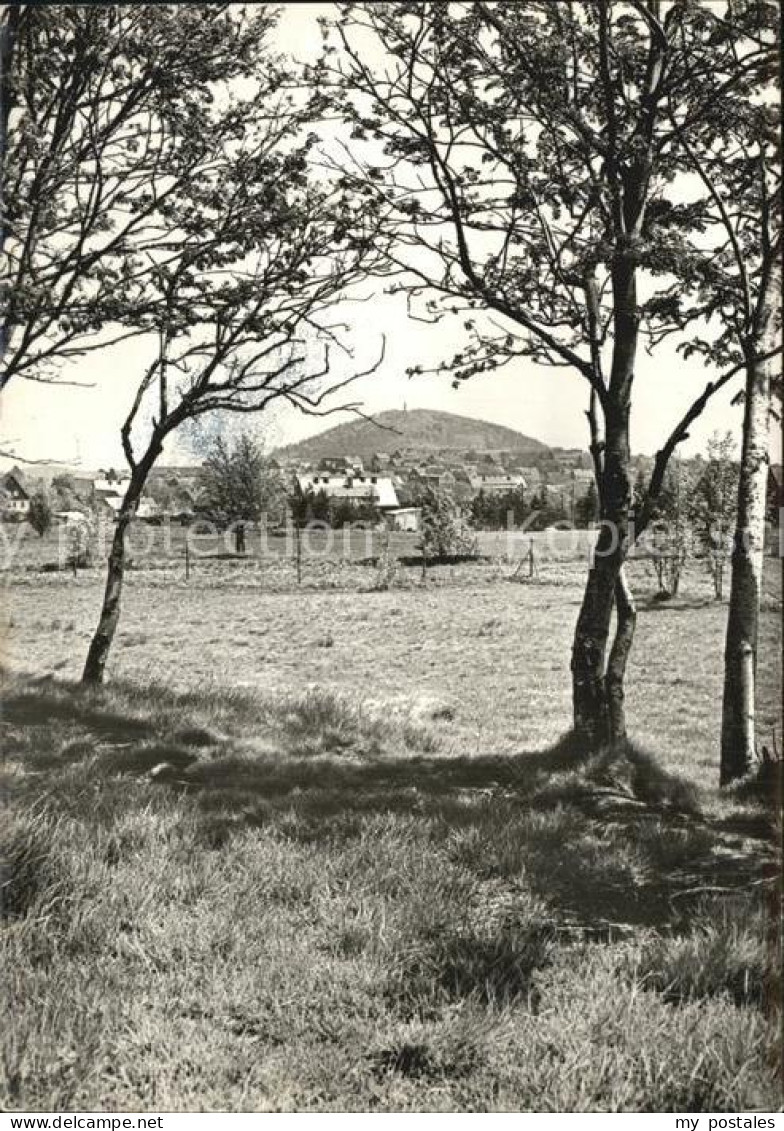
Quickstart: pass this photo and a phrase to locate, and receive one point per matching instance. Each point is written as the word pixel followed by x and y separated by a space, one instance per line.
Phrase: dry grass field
pixel 327 848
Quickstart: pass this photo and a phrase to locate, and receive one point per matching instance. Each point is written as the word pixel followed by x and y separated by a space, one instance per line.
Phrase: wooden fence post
pixel 298 552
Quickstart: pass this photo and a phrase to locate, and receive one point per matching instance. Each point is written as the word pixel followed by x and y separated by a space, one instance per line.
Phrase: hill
pixel 421 430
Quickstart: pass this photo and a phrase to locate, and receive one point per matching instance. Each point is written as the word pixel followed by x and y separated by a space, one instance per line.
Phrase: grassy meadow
pixel 330 848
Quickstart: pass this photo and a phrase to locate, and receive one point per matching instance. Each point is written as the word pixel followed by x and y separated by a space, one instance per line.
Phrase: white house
pixel 355 488
pixel 407 519
pixel 495 482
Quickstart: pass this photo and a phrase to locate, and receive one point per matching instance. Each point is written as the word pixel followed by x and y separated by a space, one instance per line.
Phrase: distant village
pixel 390 482
pixel 555 481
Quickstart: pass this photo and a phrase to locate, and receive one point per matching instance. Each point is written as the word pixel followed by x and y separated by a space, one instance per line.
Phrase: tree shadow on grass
pixel 604 857
pixel 44 704
pixel 604 844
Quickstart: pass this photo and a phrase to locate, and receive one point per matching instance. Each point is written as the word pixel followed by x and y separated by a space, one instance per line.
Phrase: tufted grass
pixel 317 909
pixel 262 872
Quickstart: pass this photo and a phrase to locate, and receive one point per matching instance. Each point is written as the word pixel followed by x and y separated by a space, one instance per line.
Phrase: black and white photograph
pixel 391 560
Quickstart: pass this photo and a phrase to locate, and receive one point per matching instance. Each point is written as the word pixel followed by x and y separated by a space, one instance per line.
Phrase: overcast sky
pixel 81 425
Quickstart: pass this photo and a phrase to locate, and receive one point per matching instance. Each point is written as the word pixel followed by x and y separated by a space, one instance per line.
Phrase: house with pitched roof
pixel 496 481
pixel 359 488
pixel 15 493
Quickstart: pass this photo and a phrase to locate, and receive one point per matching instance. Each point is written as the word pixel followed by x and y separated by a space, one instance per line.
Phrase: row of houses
pixel 461 477
pixel 345 480
pixel 100 493
pixel 173 492
pixel 555 460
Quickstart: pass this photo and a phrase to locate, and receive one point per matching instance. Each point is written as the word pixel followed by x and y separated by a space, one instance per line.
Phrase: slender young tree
pixel 251 256
pixel 100 106
pixel 711 505
pixel 671 530
pixel 734 151
pixel 527 160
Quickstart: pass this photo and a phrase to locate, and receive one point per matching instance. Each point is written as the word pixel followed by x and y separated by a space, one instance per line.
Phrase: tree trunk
pixel 597 691
pixel 110 611
pixel 597 720
pixel 738 740
pixel 626 621
pixel 589 700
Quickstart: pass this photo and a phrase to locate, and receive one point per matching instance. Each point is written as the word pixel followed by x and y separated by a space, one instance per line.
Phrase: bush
pixel 80 550
pixel 386 569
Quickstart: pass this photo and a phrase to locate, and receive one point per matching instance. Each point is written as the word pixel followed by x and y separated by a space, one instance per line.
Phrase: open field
pixel 368 872
pixel 498 650
pixel 156 547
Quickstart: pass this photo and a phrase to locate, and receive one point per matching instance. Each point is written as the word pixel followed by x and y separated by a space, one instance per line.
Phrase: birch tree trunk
pixel 738 739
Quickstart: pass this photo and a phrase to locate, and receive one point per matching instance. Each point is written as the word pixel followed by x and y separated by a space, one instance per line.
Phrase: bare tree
pixel 249 260
pixel 526 155
pixel 101 105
